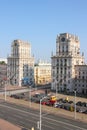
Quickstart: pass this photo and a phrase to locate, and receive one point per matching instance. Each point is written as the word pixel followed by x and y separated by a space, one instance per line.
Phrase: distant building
pixel 42 73
pixel 3 74
pixel 64 62
pixel 81 78
pixel 20 67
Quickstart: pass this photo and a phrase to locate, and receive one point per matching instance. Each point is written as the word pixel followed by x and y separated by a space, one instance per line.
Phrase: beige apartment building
pixel 64 62
pixel 42 73
pixel 3 74
pixel 81 78
pixel 20 66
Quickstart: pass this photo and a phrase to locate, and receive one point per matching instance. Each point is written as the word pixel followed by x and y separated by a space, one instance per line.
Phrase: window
pixel 57 60
pixel 15 44
pixel 83 85
pixel 69 74
pixel 82 77
pixel 68 81
pixel 79 76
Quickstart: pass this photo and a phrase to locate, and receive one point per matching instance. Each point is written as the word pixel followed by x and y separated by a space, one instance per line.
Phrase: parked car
pixel 44 102
pixel 58 104
pixel 79 103
pixel 60 100
pixel 85 112
pixel 71 102
pixel 48 103
pixel 82 110
pixel 84 104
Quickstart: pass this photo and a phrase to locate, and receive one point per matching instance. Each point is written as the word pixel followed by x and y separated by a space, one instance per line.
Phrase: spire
pixel 52 53
pixel 82 53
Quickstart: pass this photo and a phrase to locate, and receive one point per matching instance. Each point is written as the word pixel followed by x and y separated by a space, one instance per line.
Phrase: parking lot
pixel 63 101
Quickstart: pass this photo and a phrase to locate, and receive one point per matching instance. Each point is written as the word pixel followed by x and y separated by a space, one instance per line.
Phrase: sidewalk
pixel 5 125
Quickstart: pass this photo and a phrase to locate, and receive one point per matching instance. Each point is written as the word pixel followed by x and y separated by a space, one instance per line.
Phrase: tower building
pixel 63 63
pixel 20 64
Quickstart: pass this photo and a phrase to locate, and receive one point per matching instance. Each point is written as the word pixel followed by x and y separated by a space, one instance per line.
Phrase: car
pixel 48 103
pixel 64 101
pixel 70 102
pixel 84 104
pixel 44 102
pixel 79 103
pixel 85 112
pixel 60 100
pixel 82 110
pixel 58 104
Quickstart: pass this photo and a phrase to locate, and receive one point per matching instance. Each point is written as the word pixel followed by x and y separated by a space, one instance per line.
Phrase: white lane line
pixel 48 127
pixel 58 125
pixel 61 122
pixel 68 128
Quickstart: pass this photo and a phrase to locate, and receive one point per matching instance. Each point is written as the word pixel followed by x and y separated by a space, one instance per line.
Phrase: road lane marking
pixel 67 128
pixel 61 122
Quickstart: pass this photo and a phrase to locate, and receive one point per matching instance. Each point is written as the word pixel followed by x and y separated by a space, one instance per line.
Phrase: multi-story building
pixel 63 63
pixel 20 66
pixel 42 73
pixel 81 78
pixel 3 74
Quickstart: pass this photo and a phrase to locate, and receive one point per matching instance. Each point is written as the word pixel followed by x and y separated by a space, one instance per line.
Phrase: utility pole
pixel 40 114
pixel 5 85
pixel 5 90
pixel 56 90
pixel 30 95
pixel 75 103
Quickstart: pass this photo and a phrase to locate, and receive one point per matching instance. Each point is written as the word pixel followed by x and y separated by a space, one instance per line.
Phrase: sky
pixel 39 22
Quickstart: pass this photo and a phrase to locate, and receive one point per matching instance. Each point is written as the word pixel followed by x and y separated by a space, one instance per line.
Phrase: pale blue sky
pixel 39 22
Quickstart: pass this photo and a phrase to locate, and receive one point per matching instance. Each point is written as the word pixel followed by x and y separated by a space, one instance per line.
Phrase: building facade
pixel 63 63
pixel 42 73
pixel 81 78
pixel 20 66
pixel 3 74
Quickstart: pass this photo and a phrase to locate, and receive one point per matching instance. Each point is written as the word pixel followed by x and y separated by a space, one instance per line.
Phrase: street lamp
pixel 41 112
pixel 56 87
pixel 30 95
pixel 75 104
pixel 5 84
pixel 5 91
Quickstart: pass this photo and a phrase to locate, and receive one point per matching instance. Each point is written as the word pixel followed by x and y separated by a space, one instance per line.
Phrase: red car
pixel 44 102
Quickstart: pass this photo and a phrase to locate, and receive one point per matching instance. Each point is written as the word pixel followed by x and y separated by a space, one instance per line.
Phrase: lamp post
pixel 56 89
pixel 75 104
pixel 30 95
pixel 5 91
pixel 41 113
pixel 5 84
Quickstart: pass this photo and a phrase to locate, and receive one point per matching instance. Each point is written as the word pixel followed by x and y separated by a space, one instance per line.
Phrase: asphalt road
pixel 28 118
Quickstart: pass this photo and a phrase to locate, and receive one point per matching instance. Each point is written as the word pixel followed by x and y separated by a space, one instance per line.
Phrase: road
pixel 28 118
